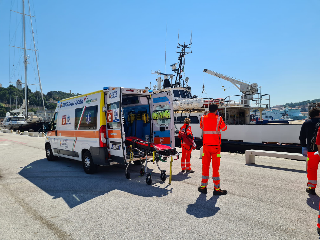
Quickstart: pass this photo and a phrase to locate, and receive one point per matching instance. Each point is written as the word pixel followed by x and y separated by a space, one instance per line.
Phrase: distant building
pixel 0 85
pixel 19 84
pixel 49 114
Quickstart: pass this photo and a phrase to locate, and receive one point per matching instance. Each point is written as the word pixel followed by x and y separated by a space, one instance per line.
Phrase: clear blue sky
pixel 86 45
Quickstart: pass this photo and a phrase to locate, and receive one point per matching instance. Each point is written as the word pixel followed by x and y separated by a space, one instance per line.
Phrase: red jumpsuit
pixel 186 147
pixel 211 125
pixel 318 143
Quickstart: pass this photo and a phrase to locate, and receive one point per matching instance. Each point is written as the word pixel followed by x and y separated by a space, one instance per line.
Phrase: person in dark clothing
pixel 309 148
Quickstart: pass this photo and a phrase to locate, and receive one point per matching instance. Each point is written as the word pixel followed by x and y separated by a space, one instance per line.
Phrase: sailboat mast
pixel 25 60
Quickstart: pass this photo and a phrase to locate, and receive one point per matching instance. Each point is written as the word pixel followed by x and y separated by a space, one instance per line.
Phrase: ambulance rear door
pixel 115 131
pixel 162 118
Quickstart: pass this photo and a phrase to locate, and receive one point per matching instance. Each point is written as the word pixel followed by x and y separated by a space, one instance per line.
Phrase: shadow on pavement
pixel 313 201
pixel 181 176
pixel 202 207
pixel 66 179
pixel 277 168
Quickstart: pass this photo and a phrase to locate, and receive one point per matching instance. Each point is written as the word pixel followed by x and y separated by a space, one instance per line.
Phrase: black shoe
pixel 183 171
pixel 202 190
pixel 220 192
pixel 190 171
pixel 311 191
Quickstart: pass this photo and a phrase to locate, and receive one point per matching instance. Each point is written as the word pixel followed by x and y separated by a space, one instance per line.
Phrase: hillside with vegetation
pixel 302 105
pixel 34 98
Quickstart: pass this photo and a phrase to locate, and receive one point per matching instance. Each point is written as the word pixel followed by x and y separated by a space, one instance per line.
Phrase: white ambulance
pixel 92 128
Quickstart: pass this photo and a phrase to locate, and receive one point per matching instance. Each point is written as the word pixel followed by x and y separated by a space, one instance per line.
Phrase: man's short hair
pixel 213 108
pixel 314 112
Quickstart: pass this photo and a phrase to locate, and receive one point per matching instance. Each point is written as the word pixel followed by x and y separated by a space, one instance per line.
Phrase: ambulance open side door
pixel 115 131
pixel 162 118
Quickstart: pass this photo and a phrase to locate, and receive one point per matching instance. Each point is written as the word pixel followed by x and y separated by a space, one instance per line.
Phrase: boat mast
pixel 25 61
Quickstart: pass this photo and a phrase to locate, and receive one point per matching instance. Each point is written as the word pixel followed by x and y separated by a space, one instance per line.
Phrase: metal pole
pixel 25 60
pixel 225 113
pixel 260 96
pixel 269 102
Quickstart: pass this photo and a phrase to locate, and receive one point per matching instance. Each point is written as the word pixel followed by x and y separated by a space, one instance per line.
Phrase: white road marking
pixel 76 197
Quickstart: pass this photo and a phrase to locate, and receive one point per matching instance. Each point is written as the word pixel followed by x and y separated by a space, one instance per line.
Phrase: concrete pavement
pixel 57 200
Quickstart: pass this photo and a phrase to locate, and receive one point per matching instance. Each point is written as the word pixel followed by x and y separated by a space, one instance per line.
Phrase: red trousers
pixel 312 169
pixel 318 225
pixel 208 153
pixel 185 159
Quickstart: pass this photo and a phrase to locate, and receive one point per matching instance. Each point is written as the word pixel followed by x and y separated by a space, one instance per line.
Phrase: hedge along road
pixel 57 200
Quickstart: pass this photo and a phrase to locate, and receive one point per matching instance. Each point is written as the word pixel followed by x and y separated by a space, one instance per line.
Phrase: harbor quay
pixel 58 200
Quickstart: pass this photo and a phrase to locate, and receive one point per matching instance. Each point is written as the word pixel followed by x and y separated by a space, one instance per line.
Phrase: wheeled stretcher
pixel 143 151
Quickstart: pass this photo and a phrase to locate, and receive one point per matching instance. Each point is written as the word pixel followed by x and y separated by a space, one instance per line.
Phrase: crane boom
pixel 245 88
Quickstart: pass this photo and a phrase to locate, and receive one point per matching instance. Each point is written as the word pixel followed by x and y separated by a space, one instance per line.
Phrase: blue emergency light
pixel 106 88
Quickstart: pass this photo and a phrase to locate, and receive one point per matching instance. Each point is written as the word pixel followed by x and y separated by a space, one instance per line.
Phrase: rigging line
pixel 21 13
pixel 34 43
pixel 15 30
pixel 36 25
pixel 23 48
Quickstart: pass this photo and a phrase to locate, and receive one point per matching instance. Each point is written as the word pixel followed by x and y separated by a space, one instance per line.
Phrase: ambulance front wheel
pixel 49 153
pixel 88 165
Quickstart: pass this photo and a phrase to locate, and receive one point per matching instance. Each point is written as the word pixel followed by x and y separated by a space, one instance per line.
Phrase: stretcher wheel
pixel 142 172
pixel 127 175
pixel 163 176
pixel 148 179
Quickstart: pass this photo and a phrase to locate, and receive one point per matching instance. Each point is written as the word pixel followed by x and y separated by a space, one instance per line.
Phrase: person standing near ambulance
pixel 185 134
pixel 317 153
pixel 309 148
pixel 212 125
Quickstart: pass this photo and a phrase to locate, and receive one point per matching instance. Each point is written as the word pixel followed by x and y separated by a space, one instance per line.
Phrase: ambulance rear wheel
pixel 49 154
pixel 88 165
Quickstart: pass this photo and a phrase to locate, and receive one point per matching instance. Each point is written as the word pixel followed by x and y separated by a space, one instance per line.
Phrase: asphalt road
pixel 57 200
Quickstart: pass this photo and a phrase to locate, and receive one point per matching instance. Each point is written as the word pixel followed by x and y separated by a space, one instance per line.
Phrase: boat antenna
pixel 203 91
pixel 178 37
pixel 165 53
pixel 181 60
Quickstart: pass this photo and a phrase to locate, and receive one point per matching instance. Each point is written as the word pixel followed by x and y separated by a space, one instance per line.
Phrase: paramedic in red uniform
pixel 309 147
pixel 186 145
pixel 211 124
pixel 318 145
